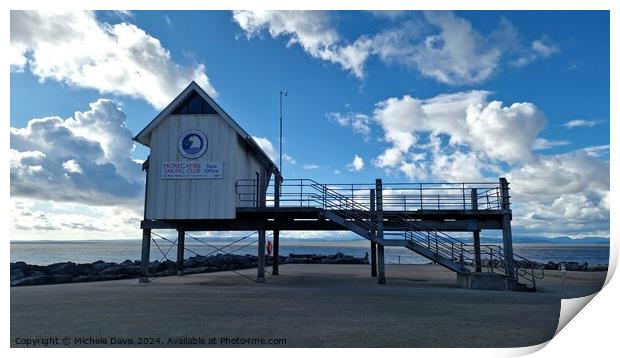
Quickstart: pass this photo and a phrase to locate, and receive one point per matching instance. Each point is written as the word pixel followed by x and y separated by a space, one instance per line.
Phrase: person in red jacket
pixel 269 248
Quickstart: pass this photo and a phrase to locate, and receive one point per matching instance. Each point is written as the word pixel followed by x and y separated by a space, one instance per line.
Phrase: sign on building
pixel 192 170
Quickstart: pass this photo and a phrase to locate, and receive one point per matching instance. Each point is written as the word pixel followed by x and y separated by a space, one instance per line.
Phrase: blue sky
pixel 361 85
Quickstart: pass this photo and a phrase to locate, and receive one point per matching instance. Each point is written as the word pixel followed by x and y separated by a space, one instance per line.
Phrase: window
pixel 194 104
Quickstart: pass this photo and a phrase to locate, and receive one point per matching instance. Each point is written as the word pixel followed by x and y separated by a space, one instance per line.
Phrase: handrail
pixel 396 196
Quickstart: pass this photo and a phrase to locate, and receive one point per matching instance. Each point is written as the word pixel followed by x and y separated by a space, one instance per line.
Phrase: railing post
pixel 505 193
pixel 379 236
pixel 373 245
pixel 464 206
pixel 421 203
pixel 452 251
pixel 507 228
pixel 474 199
pixel 324 195
pixel 301 193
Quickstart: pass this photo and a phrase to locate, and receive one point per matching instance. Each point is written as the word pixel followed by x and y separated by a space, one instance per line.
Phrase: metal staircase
pixel 358 215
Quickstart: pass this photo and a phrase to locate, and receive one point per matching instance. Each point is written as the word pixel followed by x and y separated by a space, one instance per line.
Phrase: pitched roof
pixel 144 137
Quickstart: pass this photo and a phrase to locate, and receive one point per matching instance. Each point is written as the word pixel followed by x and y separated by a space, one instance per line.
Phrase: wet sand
pixel 307 306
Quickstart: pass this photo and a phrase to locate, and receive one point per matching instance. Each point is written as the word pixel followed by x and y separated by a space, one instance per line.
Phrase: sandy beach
pixel 306 306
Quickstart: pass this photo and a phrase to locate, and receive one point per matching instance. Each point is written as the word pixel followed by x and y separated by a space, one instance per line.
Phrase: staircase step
pixel 443 261
pixel 348 225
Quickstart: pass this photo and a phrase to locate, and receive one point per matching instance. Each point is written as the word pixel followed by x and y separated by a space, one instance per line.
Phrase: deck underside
pixel 287 218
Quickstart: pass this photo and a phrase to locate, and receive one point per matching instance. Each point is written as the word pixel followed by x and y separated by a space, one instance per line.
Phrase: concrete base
pixel 489 281
pixel 144 280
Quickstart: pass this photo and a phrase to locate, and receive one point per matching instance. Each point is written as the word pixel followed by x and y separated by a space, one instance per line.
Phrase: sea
pixel 48 252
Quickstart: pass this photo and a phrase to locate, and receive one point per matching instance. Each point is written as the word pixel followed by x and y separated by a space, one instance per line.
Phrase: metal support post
pixel 276 233
pixel 379 236
pixel 507 227
pixel 477 258
pixel 373 245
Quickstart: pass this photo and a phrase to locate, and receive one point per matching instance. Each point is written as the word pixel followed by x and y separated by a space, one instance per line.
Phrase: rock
pixel 83 269
pixel 55 279
pixel 121 270
pixel 35 278
pixel 62 268
pixel 17 274
pixel 551 266
pixel 19 265
pixel 597 268
pixel 99 265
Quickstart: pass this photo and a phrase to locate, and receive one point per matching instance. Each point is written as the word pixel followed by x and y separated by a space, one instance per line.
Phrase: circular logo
pixel 192 143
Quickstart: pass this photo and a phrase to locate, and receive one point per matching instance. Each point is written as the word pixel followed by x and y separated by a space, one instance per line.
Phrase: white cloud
pixel 72 166
pixel 597 150
pixel 31 218
pixel 457 54
pixel 466 136
pixel 562 194
pixel 359 122
pixel 542 47
pixel 84 159
pixel 77 49
pixel 389 14
pixel 467 119
pixel 271 152
pixel 356 165
pixel 312 30
pixel 545 47
pixel 542 143
pixel 576 123
pixel 440 45
pixel 311 166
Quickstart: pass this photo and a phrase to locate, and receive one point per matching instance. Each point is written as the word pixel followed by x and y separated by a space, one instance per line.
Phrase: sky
pixel 406 96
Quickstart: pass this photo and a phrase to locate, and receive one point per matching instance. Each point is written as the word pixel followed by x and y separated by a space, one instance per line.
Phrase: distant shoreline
pixel 301 242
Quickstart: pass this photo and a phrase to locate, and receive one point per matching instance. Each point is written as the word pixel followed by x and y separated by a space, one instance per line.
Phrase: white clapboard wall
pixel 198 198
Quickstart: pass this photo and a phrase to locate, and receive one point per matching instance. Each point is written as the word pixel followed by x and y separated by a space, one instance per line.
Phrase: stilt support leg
pixel 373 259
pixel 477 258
pixel 260 276
pixel 276 252
pixel 146 252
pixel 180 252
pixel 381 265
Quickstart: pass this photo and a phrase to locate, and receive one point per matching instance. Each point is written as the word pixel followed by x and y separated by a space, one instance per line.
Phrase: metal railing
pixel 492 256
pixel 352 203
pixel 396 196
